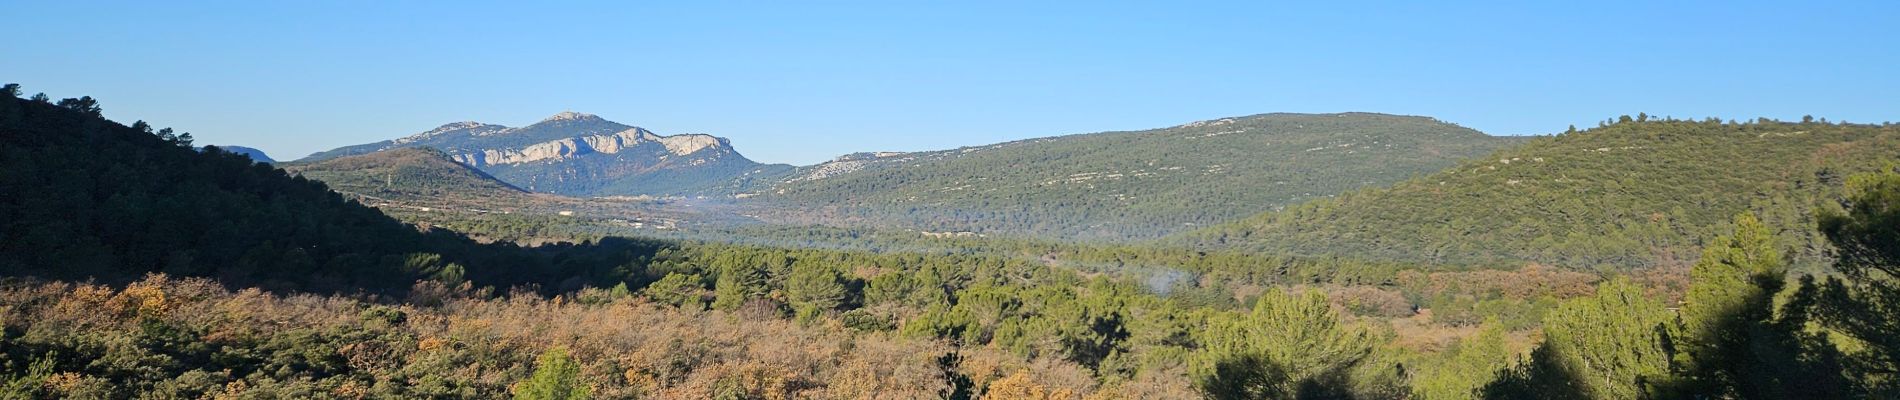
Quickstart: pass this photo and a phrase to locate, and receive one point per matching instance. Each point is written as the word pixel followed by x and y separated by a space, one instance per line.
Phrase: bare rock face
pixel 689 144
pixel 570 148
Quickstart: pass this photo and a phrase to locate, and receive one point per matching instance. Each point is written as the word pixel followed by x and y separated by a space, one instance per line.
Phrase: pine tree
pixel 729 292
pixel 1475 362
pixel 1733 271
pixel 1616 344
pixel 1864 303
pixel 1294 338
pixel 556 377
pixel 1735 345
pixel 84 104
pixel 813 290
pixel 682 290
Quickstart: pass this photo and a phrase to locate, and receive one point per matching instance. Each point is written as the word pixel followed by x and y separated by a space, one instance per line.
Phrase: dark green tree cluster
pixel 1290 346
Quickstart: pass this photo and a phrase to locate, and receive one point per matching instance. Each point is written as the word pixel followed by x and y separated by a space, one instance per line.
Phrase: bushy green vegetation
pixel 1635 193
pixel 1122 185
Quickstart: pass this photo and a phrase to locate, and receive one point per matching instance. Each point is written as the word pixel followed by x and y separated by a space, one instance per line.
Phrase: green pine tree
pixel 556 377
pixel 814 290
pixel 1864 302
pixel 1475 361
pixel 1294 339
pixel 1616 344
pixel 1736 346
pixel 678 289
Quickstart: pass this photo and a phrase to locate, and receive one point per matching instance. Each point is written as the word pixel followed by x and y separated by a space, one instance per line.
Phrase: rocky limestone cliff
pixel 564 149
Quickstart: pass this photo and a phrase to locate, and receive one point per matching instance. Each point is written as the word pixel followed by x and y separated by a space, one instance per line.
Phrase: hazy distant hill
pixel 581 155
pixel 254 154
pixel 1118 185
pixel 1629 194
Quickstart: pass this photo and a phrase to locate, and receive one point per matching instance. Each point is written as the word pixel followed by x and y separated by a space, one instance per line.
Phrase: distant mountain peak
pixel 572 116
pixel 456 125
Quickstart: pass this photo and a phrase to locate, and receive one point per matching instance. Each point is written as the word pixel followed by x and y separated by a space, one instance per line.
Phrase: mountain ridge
pixel 578 154
pixel 1122 184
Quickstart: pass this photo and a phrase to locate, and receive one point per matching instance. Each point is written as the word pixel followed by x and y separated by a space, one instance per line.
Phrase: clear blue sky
pixel 800 82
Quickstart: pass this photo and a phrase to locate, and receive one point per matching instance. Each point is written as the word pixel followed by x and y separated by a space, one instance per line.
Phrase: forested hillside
pixel 1122 185
pixel 88 198
pixel 1632 193
pixel 412 175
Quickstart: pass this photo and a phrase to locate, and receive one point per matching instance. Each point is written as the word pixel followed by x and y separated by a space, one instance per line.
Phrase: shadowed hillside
pixel 89 198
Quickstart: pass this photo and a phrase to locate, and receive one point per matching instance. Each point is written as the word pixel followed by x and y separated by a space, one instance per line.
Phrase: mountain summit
pixel 572 116
pixel 579 154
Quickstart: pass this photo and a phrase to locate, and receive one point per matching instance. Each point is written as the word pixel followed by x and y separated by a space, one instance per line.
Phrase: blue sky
pixel 801 82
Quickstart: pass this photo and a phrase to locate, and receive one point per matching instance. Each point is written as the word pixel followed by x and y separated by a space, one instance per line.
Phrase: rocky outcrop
pixel 681 145
pixel 564 149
